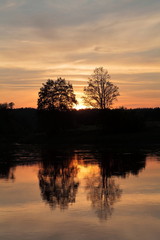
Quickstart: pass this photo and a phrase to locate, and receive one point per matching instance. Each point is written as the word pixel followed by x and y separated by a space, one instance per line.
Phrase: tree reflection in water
pixel 13 155
pixel 7 171
pixel 103 192
pixel 59 174
pixel 57 180
pixel 101 188
pixel 6 165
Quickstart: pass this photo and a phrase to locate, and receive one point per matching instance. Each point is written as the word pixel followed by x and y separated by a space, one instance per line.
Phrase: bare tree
pixel 100 92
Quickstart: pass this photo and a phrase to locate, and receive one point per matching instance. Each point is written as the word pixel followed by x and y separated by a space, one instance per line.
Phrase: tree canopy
pixel 100 92
pixel 57 95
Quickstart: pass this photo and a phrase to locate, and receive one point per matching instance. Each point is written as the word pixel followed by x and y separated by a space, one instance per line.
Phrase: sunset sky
pixel 46 39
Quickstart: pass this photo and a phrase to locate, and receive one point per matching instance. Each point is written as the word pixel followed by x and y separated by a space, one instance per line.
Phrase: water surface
pixel 80 194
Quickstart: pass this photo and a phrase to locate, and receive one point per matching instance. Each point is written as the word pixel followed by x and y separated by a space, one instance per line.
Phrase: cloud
pixel 44 39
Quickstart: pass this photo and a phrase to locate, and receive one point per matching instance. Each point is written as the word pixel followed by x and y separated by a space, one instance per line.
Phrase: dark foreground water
pixel 79 194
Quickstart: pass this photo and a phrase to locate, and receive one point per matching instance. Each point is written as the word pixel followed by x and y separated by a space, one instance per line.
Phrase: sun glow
pixel 80 106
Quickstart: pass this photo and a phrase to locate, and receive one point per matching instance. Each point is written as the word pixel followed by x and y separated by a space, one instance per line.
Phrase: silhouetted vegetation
pixel 100 92
pixel 57 95
pixel 107 126
pixel 4 106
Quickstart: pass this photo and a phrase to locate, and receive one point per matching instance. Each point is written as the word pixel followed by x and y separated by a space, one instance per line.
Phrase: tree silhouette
pixel 57 95
pixel 9 105
pixel 100 92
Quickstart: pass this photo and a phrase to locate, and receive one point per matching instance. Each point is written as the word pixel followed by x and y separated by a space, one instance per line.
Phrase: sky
pixel 47 39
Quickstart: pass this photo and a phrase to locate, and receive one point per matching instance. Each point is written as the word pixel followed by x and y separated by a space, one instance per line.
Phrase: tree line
pixel 59 95
pixel 55 118
pixel 100 93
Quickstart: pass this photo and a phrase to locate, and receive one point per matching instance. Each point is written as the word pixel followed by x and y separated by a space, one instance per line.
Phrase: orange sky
pixel 50 39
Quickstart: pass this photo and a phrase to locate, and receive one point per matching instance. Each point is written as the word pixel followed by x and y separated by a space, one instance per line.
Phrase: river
pixel 81 194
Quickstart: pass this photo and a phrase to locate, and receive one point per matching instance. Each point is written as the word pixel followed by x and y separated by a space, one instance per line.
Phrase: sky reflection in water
pixel 81 195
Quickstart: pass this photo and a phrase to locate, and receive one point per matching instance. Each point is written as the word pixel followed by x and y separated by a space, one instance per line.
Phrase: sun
pixel 80 106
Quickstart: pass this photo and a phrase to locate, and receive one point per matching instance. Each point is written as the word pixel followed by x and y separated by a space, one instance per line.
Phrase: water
pixel 79 194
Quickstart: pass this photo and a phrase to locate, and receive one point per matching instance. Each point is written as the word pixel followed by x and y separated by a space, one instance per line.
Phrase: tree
pixel 3 106
pixel 11 105
pixel 7 105
pixel 56 95
pixel 100 92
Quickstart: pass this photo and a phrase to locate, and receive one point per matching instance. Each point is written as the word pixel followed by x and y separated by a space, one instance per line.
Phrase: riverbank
pixel 109 128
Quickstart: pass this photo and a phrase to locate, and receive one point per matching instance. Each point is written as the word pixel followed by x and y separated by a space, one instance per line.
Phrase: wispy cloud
pixel 44 39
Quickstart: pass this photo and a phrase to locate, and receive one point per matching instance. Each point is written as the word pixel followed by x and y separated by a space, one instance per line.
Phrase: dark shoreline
pixel 112 129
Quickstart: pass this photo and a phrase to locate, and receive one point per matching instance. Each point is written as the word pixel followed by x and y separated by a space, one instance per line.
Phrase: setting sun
pixel 80 106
